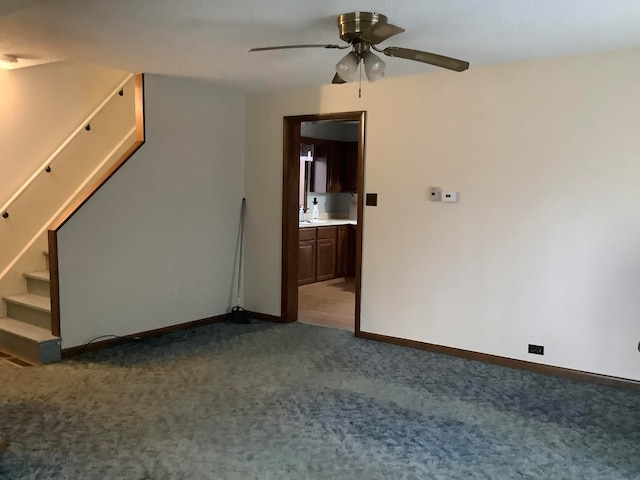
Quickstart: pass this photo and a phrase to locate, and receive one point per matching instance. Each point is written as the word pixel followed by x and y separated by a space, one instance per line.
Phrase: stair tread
pixel 43 275
pixel 26 330
pixel 31 300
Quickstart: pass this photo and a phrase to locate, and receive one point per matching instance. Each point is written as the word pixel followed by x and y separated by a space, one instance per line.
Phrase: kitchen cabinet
pixel 327 166
pixel 346 251
pixel 326 253
pixel 335 166
pixel 306 256
pixel 342 251
pixel 350 180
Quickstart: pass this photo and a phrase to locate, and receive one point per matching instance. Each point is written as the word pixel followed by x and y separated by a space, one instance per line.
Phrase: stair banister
pixel 46 164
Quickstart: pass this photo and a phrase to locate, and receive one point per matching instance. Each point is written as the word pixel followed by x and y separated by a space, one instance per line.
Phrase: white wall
pixel 156 245
pixel 544 246
pixel 40 107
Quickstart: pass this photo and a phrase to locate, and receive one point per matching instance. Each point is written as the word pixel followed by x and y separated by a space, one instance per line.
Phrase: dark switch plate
pixel 536 349
pixel 371 200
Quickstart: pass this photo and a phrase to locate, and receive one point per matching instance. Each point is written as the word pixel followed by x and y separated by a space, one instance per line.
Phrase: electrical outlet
pixel 536 349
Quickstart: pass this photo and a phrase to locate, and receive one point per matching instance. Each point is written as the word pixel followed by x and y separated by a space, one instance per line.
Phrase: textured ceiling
pixel 211 39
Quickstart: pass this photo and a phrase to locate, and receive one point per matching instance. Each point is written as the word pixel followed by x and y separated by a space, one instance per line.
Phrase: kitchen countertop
pixel 327 223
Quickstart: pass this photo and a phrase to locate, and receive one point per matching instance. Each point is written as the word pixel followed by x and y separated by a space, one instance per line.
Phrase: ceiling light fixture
pixel 347 67
pixel 6 58
pixel 373 66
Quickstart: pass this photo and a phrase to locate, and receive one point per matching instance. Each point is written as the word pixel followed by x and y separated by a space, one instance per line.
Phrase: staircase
pixel 26 330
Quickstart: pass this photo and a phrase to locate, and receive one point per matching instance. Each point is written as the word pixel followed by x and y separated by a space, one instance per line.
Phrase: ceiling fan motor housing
pixel 352 24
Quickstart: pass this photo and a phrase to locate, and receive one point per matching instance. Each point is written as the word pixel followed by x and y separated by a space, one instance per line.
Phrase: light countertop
pixel 327 223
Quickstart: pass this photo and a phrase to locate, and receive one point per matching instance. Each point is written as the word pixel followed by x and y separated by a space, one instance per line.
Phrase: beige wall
pixel 544 245
pixel 156 245
pixel 40 107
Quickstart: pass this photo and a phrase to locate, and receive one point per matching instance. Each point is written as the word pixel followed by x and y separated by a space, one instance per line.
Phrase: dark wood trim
pixel 290 185
pixel 54 283
pixel 138 142
pixel 83 198
pixel 264 316
pixel 111 342
pixel 360 216
pixel 507 362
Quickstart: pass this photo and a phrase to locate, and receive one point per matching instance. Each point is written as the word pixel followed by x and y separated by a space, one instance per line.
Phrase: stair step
pixel 44 276
pixel 30 308
pixel 26 330
pixel 38 283
pixel 37 302
pixel 28 342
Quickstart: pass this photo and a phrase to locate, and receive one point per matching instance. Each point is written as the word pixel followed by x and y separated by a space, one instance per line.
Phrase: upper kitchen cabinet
pixel 327 166
pixel 350 180
pixel 334 166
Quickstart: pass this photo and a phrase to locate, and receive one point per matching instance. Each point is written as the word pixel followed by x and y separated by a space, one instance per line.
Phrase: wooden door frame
pixel 290 207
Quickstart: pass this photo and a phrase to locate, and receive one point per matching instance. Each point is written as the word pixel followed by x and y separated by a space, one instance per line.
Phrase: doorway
pixel 294 196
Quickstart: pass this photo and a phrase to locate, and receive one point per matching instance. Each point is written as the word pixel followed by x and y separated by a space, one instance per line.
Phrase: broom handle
pixel 241 248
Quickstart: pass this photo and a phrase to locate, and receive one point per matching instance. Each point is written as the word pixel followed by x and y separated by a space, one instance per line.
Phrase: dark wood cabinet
pixel 327 167
pixel 306 256
pixel 326 252
pixel 335 166
pixel 346 251
pixel 350 181
pixel 351 250
pixel 342 251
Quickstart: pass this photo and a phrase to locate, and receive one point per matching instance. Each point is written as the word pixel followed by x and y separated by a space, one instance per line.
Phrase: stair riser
pixel 29 315
pixel 29 350
pixel 39 287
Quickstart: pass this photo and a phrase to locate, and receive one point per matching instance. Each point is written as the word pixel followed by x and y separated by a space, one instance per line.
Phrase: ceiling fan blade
pixel 379 32
pixel 426 57
pixel 337 80
pixel 283 47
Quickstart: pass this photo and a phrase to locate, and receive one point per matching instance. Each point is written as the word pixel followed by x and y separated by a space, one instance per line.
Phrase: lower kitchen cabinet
pixel 346 251
pixel 325 253
pixel 306 256
pixel 342 251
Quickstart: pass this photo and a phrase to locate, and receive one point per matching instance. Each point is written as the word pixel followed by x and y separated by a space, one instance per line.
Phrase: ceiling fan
pixel 363 31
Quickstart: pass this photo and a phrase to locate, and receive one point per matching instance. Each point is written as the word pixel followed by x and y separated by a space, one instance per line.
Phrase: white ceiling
pixel 210 39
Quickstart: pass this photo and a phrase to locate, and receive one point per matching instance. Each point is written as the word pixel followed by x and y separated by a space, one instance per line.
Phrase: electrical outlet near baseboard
pixel 536 349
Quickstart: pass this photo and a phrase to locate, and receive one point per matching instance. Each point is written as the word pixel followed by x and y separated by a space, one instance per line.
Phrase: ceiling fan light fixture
pixel 6 58
pixel 347 67
pixel 373 66
pixel 362 31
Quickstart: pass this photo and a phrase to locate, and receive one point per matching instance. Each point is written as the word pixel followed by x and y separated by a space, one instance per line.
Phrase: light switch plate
pixel 435 194
pixel 450 197
pixel 371 199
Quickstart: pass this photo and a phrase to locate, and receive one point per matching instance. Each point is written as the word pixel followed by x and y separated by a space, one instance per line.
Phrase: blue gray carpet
pixel 297 401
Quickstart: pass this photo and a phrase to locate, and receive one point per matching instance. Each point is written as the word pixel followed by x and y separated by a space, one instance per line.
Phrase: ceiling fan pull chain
pixel 360 82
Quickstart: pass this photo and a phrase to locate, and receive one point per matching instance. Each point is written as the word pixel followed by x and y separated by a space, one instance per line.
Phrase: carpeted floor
pixel 296 401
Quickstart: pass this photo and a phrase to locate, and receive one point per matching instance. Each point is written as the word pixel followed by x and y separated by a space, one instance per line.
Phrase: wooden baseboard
pixel 91 347
pixel 264 316
pixel 507 362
